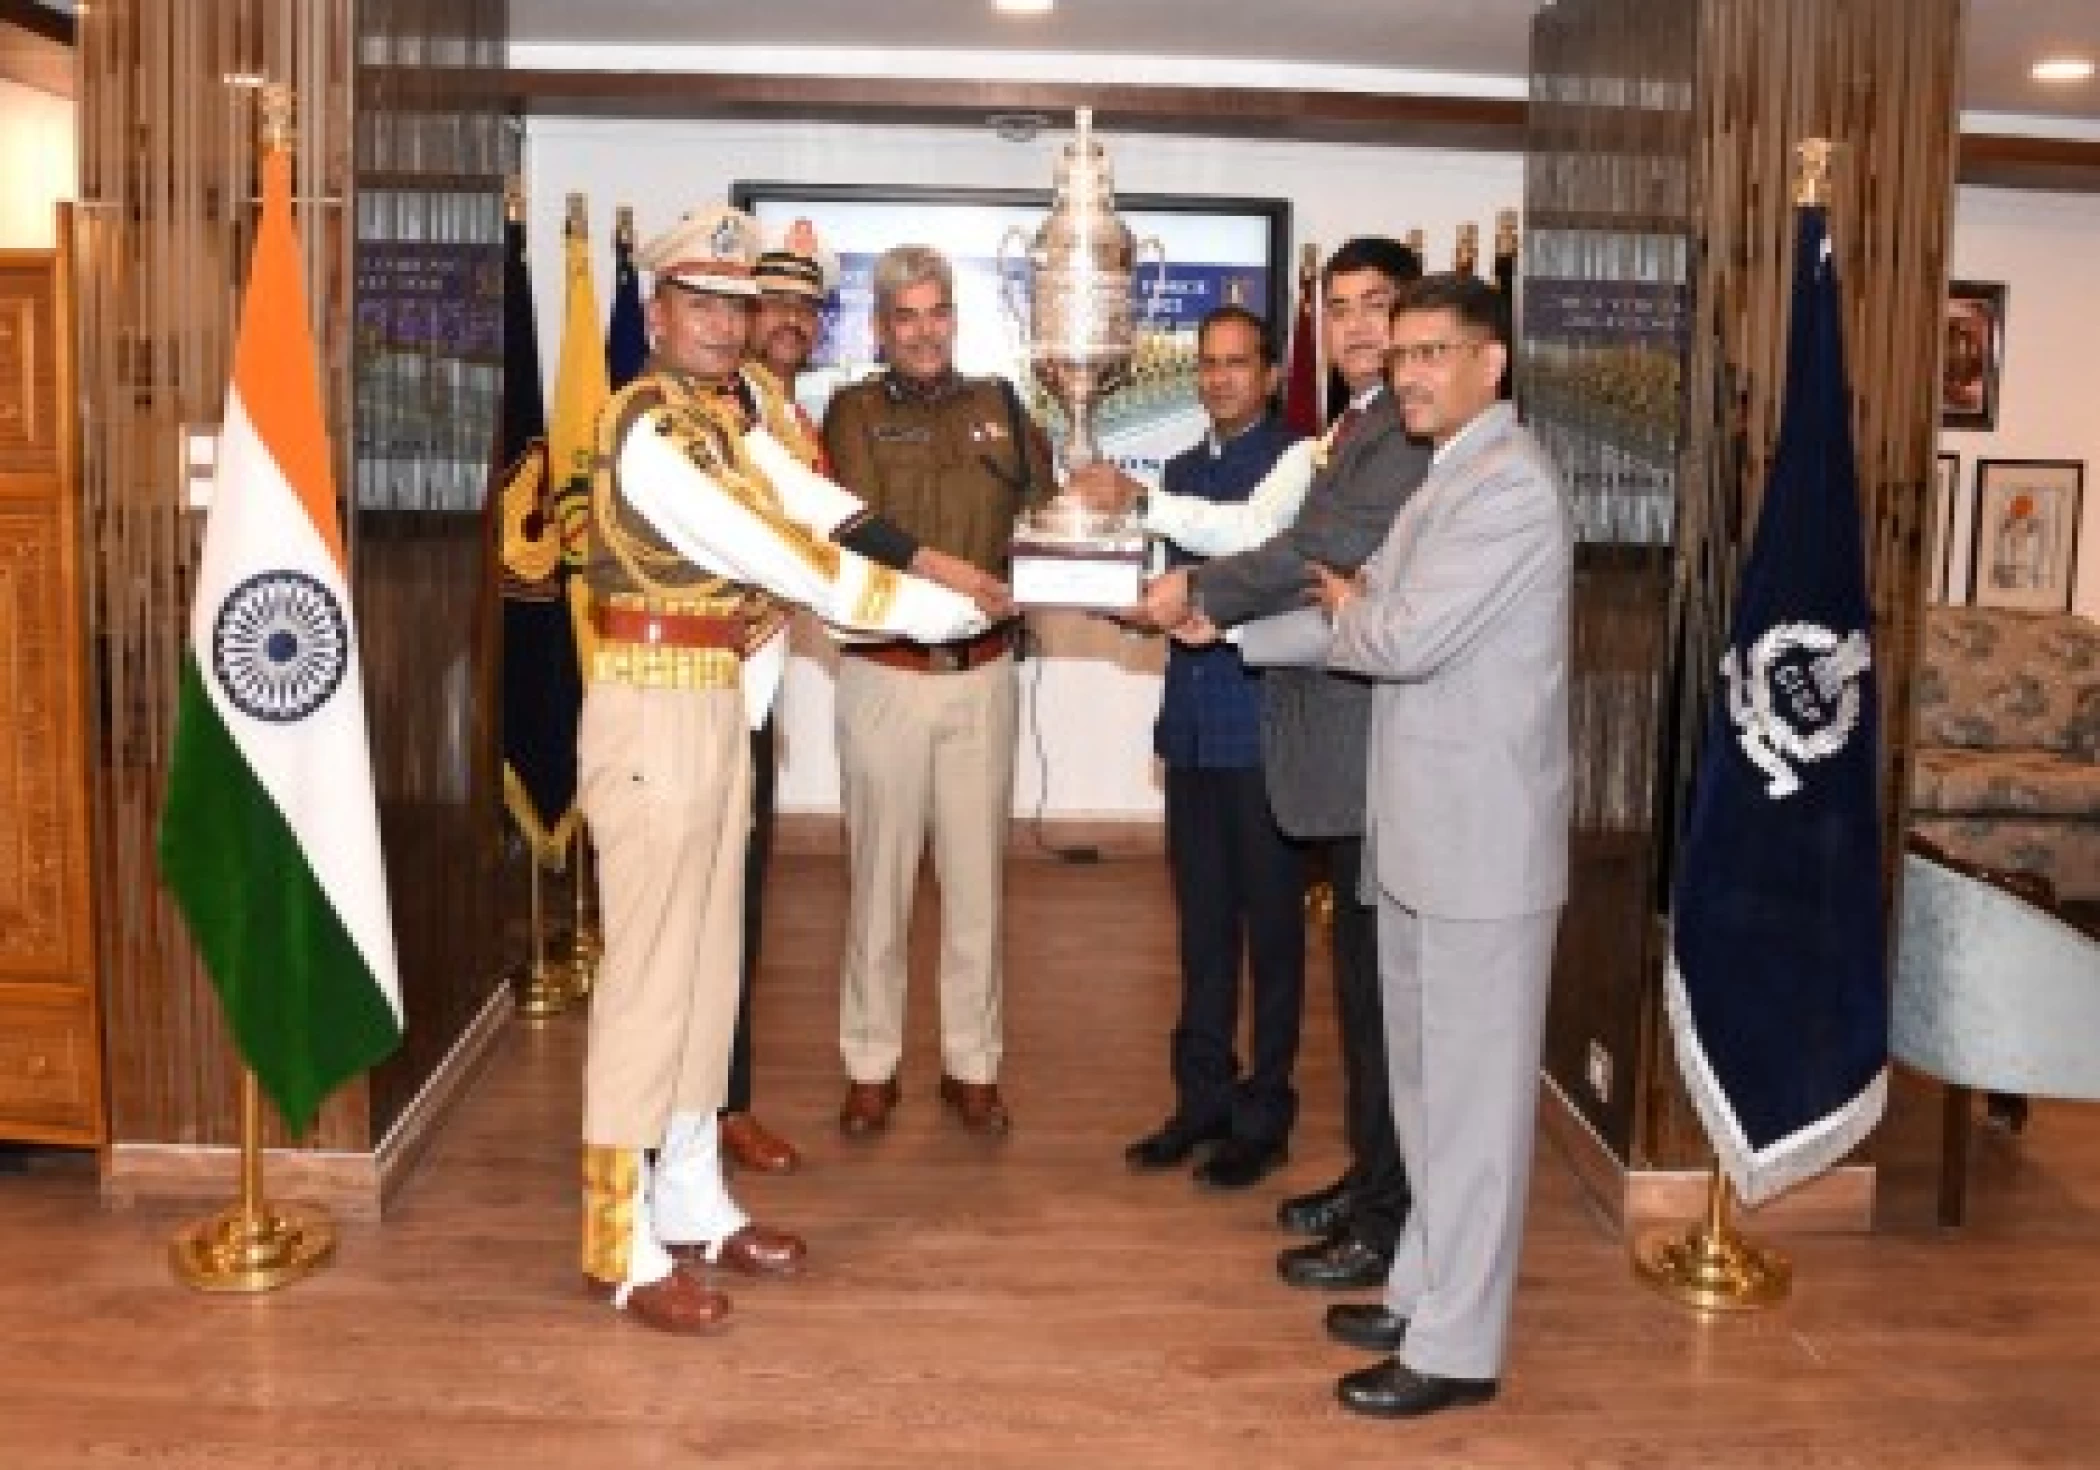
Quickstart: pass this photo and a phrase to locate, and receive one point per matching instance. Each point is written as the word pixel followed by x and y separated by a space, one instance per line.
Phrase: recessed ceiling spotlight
pixel 2063 69
pixel 1024 7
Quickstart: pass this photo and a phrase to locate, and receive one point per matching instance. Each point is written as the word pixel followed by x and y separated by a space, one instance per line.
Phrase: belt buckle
pixel 944 658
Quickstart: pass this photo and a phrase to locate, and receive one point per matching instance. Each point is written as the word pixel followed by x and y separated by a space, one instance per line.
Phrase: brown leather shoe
pixel 755 1146
pixel 977 1104
pixel 866 1109
pixel 678 1303
pixel 755 1250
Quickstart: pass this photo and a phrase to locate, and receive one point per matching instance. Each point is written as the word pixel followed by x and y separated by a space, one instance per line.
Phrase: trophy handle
pixel 1159 278
pixel 1007 295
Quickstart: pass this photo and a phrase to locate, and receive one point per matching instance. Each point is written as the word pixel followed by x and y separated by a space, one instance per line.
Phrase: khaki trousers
pixel 665 779
pixel 920 754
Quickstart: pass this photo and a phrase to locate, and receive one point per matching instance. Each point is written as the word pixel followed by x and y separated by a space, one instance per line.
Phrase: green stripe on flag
pixel 302 1005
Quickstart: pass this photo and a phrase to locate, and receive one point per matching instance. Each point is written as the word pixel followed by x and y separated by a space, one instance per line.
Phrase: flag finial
pixel 514 199
pixel 276 117
pixel 1505 232
pixel 1308 260
pixel 623 226
pixel 1813 160
pixel 577 226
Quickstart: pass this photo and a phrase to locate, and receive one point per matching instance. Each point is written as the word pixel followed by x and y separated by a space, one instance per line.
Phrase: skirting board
pixel 1111 837
pixel 352 1186
pixel 1840 1202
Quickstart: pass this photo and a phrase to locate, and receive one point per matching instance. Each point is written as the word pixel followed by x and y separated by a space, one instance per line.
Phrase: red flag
pixel 1301 388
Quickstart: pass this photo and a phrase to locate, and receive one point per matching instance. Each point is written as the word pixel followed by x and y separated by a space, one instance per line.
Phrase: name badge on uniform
pixel 903 434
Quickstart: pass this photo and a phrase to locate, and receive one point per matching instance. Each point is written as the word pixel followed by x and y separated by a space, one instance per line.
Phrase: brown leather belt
pixel 938 658
pixel 669 629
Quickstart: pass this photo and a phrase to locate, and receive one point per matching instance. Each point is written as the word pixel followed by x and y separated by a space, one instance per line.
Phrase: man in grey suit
pixel 1461 621
pixel 1315 731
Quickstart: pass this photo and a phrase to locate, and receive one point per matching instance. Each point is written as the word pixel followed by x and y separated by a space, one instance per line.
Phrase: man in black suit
pixel 1316 737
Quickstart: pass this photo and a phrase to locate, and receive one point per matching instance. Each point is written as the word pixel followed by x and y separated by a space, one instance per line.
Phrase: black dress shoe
pixel 1237 1163
pixel 1366 1325
pixel 1341 1262
pixel 1392 1390
pixel 1170 1145
pixel 1322 1212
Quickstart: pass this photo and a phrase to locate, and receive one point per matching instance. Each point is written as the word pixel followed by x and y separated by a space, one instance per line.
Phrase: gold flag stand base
pixel 238 1252
pixel 1708 1266
pixel 252 1245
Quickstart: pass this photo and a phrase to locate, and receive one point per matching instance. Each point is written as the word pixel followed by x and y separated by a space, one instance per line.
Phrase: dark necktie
pixel 1344 427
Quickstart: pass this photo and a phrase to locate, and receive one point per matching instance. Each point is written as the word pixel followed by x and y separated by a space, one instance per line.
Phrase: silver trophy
pixel 1081 339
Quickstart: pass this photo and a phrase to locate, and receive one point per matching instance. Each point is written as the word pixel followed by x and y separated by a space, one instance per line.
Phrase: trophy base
pixel 1086 576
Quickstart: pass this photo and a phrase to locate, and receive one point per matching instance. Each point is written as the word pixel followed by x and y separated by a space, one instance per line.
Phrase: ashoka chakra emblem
pixel 279 646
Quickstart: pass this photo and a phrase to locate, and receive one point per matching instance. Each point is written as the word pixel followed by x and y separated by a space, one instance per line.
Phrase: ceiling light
pixel 2063 69
pixel 1024 7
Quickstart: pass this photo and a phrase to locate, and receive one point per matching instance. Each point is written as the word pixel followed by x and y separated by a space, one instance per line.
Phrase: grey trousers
pixel 1465 1017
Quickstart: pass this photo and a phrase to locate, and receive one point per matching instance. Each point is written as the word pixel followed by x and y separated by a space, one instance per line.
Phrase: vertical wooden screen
pixel 1660 226
pixel 168 215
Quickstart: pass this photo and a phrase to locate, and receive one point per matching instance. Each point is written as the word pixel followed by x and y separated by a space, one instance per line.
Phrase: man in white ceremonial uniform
pixel 703 528
pixel 1461 621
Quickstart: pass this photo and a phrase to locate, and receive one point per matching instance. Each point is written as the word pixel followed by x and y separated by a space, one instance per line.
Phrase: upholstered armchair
pixel 1993 990
pixel 2006 765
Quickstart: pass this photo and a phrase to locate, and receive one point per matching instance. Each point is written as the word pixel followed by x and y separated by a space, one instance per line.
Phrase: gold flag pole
pixel 1709 1267
pixel 1465 257
pixel 585 944
pixel 252 1245
pixel 1415 241
pixel 544 990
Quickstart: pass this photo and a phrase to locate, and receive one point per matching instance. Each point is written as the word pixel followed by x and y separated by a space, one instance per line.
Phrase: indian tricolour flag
pixel 269 840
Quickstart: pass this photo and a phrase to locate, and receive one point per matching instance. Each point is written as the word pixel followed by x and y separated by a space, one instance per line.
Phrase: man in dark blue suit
pixel 1239 883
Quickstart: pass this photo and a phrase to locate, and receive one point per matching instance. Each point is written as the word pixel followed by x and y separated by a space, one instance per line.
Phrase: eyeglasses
pixel 1426 354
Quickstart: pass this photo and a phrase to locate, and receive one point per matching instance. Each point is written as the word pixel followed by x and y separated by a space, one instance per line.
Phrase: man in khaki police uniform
pixel 926 728
pixel 702 526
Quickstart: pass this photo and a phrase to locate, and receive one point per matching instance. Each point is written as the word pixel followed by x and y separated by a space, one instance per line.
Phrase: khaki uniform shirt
pixel 942 464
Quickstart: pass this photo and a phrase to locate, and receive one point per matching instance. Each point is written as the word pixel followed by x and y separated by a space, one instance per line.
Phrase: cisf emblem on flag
pixel 1795 698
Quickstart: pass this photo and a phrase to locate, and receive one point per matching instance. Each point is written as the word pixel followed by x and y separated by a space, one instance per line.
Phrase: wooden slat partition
pixel 168 155
pixel 1660 190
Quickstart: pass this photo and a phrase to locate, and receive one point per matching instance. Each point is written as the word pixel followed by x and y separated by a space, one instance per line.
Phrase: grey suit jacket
pixel 1464 626
pixel 1316 725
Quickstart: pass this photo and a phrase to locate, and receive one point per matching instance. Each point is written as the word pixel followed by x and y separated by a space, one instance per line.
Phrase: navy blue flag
pixel 542 685
pixel 626 333
pixel 1776 990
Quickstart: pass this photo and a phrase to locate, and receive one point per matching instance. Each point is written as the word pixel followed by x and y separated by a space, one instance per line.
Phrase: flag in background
pixel 542 686
pixel 627 333
pixel 269 836
pixel 580 386
pixel 1776 990
pixel 1301 386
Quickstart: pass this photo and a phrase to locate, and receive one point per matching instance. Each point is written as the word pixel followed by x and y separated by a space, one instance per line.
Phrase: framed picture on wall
pixel 1946 485
pixel 2023 542
pixel 1216 250
pixel 1971 354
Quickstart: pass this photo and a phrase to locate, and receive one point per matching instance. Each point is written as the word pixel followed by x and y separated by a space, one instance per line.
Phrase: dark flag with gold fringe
pixel 542 685
pixel 627 332
pixel 1776 987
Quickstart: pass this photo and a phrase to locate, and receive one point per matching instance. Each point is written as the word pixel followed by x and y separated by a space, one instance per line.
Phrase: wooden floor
pixel 1024 1302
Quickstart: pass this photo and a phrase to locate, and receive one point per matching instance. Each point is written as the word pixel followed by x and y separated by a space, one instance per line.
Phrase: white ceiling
pixel 1480 42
